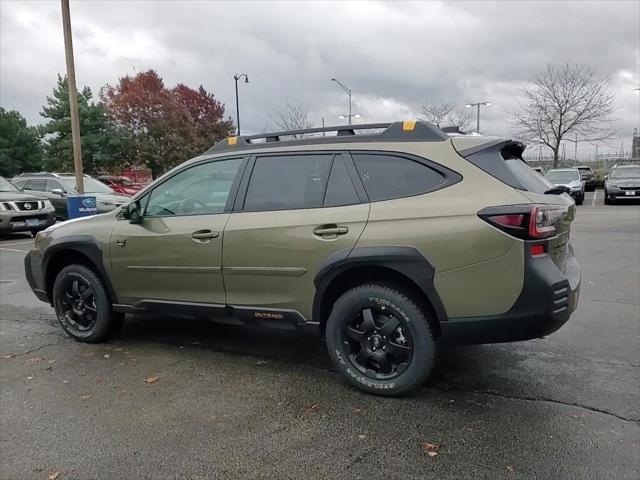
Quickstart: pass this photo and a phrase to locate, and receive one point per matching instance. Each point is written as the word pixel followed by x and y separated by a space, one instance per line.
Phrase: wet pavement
pixel 232 402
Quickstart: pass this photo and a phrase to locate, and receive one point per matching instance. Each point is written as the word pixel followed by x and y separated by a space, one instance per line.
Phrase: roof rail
pixel 407 131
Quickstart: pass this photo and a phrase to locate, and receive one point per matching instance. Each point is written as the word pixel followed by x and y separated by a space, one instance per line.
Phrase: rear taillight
pixel 528 222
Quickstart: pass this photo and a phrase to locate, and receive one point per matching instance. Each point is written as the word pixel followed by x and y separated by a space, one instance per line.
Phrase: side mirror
pixel 132 212
pixel 57 191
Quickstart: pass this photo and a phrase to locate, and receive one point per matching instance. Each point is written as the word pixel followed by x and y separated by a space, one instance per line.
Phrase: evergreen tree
pixel 20 148
pixel 105 147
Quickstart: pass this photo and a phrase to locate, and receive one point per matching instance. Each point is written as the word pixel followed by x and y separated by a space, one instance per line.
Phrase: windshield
pixel 562 175
pixel 626 172
pixel 91 185
pixel 6 186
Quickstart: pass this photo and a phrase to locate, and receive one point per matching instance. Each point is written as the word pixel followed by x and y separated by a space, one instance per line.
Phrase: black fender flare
pixel 85 245
pixel 408 261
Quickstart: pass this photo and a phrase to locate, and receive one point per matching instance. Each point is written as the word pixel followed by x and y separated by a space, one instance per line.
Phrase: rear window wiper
pixel 557 191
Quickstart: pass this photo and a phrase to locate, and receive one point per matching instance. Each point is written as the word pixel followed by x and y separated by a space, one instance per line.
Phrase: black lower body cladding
pixel 546 302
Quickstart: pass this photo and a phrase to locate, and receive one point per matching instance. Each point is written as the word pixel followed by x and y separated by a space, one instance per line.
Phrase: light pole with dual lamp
pixel 478 104
pixel 237 77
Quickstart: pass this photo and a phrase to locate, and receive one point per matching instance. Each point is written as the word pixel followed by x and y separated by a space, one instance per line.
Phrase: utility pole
pixel 237 77
pixel 575 150
pixel 73 96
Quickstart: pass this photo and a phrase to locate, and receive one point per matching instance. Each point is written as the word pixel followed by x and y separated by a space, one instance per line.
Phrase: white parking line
pixel 16 243
pixel 13 250
pixel 595 195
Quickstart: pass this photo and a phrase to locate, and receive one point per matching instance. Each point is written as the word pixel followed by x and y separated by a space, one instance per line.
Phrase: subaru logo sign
pixel 89 202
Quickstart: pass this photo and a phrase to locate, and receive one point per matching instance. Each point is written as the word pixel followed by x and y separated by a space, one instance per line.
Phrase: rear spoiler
pixel 509 149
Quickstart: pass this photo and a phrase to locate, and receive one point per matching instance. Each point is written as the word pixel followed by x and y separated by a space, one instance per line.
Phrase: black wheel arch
pixel 403 265
pixel 80 249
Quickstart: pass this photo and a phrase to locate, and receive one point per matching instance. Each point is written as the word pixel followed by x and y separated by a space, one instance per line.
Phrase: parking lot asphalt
pixel 232 402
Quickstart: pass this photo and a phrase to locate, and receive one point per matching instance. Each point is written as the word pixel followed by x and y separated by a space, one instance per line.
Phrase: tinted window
pixel 389 176
pixel 512 171
pixel 53 184
pixel 91 185
pixel 288 182
pixel 20 183
pixel 199 190
pixel 340 190
pixel 38 184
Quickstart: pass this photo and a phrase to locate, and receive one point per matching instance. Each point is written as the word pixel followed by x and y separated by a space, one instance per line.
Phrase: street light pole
pixel 237 77
pixel 478 104
pixel 73 96
pixel 348 92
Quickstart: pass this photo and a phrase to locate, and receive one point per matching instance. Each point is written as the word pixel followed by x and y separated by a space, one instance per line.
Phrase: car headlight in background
pixel 612 186
pixel 105 203
pixel 46 204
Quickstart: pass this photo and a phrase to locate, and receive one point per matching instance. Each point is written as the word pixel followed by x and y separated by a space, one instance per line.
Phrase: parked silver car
pixel 23 212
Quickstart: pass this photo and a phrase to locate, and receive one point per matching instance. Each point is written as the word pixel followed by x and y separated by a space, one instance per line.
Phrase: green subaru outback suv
pixel 387 239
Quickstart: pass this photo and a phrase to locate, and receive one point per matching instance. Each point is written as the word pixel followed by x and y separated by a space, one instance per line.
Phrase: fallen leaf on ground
pixel 29 378
pixel 52 361
pixel 85 397
pixel 510 468
pixel 357 410
pixel 151 380
pixel 309 409
pixel 34 360
pixel 53 476
pixel 262 362
pixel 106 355
pixel 7 357
pixel 431 449
pixel 362 437
pixel 118 349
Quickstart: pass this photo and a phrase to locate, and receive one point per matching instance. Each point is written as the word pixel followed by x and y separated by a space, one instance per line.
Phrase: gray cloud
pixel 393 55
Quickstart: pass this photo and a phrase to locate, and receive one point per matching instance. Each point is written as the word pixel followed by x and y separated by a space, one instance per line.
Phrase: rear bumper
pixel 34 274
pixel 546 302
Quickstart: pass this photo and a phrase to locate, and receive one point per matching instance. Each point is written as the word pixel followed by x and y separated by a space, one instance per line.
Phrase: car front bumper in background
pixel 546 302
pixel 26 222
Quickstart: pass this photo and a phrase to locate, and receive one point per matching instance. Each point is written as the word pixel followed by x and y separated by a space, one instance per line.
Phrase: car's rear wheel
pixel 380 340
pixel 82 305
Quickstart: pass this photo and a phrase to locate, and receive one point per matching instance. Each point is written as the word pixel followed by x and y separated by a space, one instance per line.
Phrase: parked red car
pixel 122 185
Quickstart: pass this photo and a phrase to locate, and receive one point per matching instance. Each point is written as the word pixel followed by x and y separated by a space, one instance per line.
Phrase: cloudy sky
pixel 394 56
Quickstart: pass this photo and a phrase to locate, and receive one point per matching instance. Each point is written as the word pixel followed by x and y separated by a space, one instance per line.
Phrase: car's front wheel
pixel 82 305
pixel 380 340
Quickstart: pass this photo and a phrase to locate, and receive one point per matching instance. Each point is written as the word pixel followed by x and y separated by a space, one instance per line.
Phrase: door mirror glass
pixel 57 191
pixel 132 212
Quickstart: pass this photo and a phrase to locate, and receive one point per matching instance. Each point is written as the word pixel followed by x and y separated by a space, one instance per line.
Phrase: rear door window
pixel 387 176
pixel 340 190
pixel 38 184
pixel 286 182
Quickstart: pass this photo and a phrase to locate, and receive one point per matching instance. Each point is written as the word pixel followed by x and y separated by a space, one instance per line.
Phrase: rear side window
pixel 512 171
pixel 53 184
pixel 387 176
pixel 21 183
pixel 287 182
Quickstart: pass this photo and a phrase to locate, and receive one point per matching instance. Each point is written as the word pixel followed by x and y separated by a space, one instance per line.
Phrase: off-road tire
pixel 105 321
pixel 412 317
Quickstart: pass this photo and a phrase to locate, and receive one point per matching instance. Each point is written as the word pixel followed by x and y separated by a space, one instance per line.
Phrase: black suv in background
pixel 57 186
pixel 588 176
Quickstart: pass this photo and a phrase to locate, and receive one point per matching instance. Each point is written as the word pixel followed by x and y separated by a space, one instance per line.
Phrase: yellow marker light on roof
pixel 232 140
pixel 408 125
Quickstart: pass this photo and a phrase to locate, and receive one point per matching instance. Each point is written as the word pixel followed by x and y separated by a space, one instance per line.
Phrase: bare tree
pixel 565 100
pixel 445 115
pixel 293 116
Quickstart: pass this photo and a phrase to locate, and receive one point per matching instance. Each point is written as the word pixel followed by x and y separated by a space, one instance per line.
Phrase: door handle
pixel 331 230
pixel 204 234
